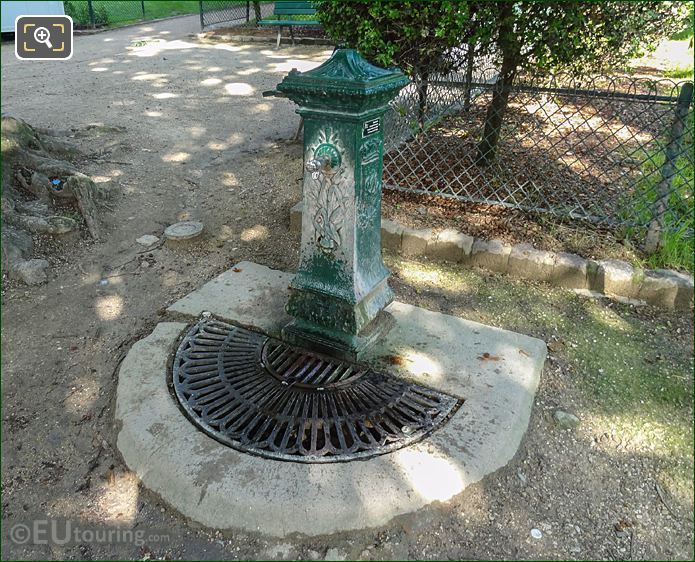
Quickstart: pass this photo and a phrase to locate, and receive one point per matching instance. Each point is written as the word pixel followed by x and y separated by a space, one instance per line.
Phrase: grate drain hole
pixel 261 396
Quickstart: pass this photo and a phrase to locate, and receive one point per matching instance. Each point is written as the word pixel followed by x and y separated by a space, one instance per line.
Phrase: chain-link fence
pixel 102 13
pixel 613 151
pixel 233 12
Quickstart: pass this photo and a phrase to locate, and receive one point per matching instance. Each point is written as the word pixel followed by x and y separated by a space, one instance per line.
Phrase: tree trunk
pixel 487 149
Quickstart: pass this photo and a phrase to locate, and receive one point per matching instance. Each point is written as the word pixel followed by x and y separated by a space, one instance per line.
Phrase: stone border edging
pixel 613 278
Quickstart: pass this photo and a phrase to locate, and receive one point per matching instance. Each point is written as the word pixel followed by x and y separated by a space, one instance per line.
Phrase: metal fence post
pixel 91 13
pixel 674 148
pixel 248 8
pixel 142 3
pixel 202 23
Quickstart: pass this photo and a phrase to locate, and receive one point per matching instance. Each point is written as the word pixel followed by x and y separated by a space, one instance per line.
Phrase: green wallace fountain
pixel 341 286
pixel 247 405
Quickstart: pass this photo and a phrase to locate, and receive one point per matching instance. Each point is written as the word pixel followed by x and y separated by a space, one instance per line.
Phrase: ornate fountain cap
pixel 344 83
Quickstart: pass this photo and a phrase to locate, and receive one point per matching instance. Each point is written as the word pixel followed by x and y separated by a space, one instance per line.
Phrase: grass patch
pixel 679 72
pixel 633 368
pixel 677 248
pixel 113 13
pixel 156 9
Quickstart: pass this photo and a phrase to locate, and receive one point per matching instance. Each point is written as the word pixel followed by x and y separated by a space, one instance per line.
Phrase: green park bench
pixel 289 14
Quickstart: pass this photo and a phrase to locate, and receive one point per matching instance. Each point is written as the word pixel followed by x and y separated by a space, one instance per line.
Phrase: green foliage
pixel 78 10
pixel 686 32
pixel 679 72
pixel 582 36
pixel 677 247
pixel 412 34
pixel 115 12
pixel 155 9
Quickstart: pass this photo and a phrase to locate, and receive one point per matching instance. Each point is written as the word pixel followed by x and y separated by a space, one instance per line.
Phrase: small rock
pixel 147 240
pixel 565 420
pixel 313 555
pixel 421 211
pixel 61 225
pixel 536 534
pixel 522 477
pixel 334 554
pixel 32 272
pixel 280 551
pixel 185 230
pixel 145 264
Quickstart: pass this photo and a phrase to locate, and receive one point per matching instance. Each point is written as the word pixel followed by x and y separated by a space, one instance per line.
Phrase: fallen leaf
pixel 487 357
pixel 236 269
pixel 524 353
pixel 396 360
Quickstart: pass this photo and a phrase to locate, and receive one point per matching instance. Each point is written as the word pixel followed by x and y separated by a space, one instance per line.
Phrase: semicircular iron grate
pixel 261 396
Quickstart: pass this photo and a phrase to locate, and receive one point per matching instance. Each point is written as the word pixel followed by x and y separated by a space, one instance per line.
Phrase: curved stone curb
pixel 222 488
pixel 613 278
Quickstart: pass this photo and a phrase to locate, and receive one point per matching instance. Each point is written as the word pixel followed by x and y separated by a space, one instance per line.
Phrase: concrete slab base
pixel 496 372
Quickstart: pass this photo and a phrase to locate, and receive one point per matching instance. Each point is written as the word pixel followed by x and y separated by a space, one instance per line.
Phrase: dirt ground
pixel 201 142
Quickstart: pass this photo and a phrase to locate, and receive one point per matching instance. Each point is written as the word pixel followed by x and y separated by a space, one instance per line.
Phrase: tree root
pixel 40 162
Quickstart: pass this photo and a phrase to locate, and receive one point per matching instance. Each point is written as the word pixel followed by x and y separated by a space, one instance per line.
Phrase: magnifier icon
pixel 42 35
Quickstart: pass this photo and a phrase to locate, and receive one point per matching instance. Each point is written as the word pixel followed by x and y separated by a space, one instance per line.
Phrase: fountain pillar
pixel 341 286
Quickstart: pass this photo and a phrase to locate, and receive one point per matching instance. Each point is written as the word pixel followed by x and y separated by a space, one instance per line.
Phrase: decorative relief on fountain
pixel 328 191
pixel 329 198
pixel 371 150
pixel 368 201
